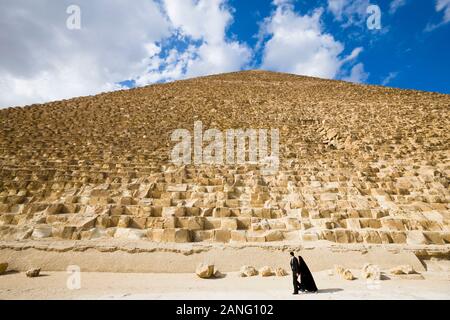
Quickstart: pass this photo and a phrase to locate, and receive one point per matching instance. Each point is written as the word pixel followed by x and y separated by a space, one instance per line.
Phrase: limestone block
pixel 116 210
pixel 434 237
pixel 104 221
pixel 416 237
pixel 3 267
pixel 94 233
pixel 392 224
pixel 138 222
pixel 191 223
pixel 54 209
pixel 213 223
pixel 131 234
pixel 277 224
pixel 63 232
pixel 328 235
pixel 193 211
pixel 238 235
pixel 256 237
pixel 221 212
pixel 353 223
pixel 385 237
pixel 398 237
pixel 244 223
pixel 293 224
pixel 229 224
pixel 371 236
pixel 309 236
pixel 341 236
pixel 280 272
pixel 124 222
pixel 370 271
pixel 262 213
pixel 248 271
pixel 222 236
pixel 403 269
pixel 171 235
pixel 203 235
pixel 177 188
pixel 266 271
pixel 205 271
pixel 173 212
pixel 6 219
pixel 274 235
pixel 42 231
pixel 33 273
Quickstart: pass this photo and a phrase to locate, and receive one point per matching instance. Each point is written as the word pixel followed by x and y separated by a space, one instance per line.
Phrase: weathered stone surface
pixel 280 272
pixel 205 271
pixel 42 231
pixel 33 273
pixel 370 271
pixel 266 271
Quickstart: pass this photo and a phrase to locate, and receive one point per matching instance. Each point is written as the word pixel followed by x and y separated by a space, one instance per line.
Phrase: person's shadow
pixel 331 290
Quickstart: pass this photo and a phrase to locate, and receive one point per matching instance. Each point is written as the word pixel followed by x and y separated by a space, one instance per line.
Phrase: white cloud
pixel 444 5
pixel 349 12
pixel 299 45
pixel 391 76
pixel 204 21
pixel 41 60
pixel 441 5
pixel 357 74
pixel 395 5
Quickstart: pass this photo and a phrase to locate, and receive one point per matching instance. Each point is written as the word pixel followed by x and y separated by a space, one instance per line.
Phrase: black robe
pixel 306 279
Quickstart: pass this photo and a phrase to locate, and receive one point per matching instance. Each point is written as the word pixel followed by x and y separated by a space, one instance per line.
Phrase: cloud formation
pixel 298 44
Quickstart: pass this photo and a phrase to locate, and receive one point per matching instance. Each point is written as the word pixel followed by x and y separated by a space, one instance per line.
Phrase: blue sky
pixel 120 44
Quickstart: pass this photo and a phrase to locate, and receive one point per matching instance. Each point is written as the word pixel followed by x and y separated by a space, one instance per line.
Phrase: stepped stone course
pixel 359 164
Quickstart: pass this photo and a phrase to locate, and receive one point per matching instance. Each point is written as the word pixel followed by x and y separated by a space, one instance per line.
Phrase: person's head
pixel 292 254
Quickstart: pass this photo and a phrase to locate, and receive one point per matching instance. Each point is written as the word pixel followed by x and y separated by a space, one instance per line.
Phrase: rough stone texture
pixel 248 271
pixel 359 164
pixel 205 271
pixel 370 271
pixel 403 269
pixel 266 271
pixel 3 267
pixel 280 272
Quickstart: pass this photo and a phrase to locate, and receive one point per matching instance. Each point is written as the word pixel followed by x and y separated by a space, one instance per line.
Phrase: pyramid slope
pixel 359 164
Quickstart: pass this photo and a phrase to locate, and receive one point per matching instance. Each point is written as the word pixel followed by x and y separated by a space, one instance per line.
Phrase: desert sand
pixel 95 285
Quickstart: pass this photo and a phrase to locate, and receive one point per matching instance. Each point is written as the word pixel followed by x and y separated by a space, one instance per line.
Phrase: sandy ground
pixel 94 285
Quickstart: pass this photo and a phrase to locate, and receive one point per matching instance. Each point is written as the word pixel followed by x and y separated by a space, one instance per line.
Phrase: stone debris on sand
pixel 403 269
pixel 205 271
pixel 358 164
pixel 248 271
pixel 33 273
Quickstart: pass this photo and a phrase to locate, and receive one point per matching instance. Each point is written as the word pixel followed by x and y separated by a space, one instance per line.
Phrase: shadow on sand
pixel 331 290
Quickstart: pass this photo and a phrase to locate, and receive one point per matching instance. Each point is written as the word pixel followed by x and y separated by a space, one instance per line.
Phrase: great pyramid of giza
pixel 358 164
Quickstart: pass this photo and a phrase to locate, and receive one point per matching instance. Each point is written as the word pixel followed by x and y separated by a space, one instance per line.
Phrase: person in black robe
pixel 295 269
pixel 306 279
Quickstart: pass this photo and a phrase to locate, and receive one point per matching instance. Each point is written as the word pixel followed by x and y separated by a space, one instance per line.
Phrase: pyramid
pixel 358 164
